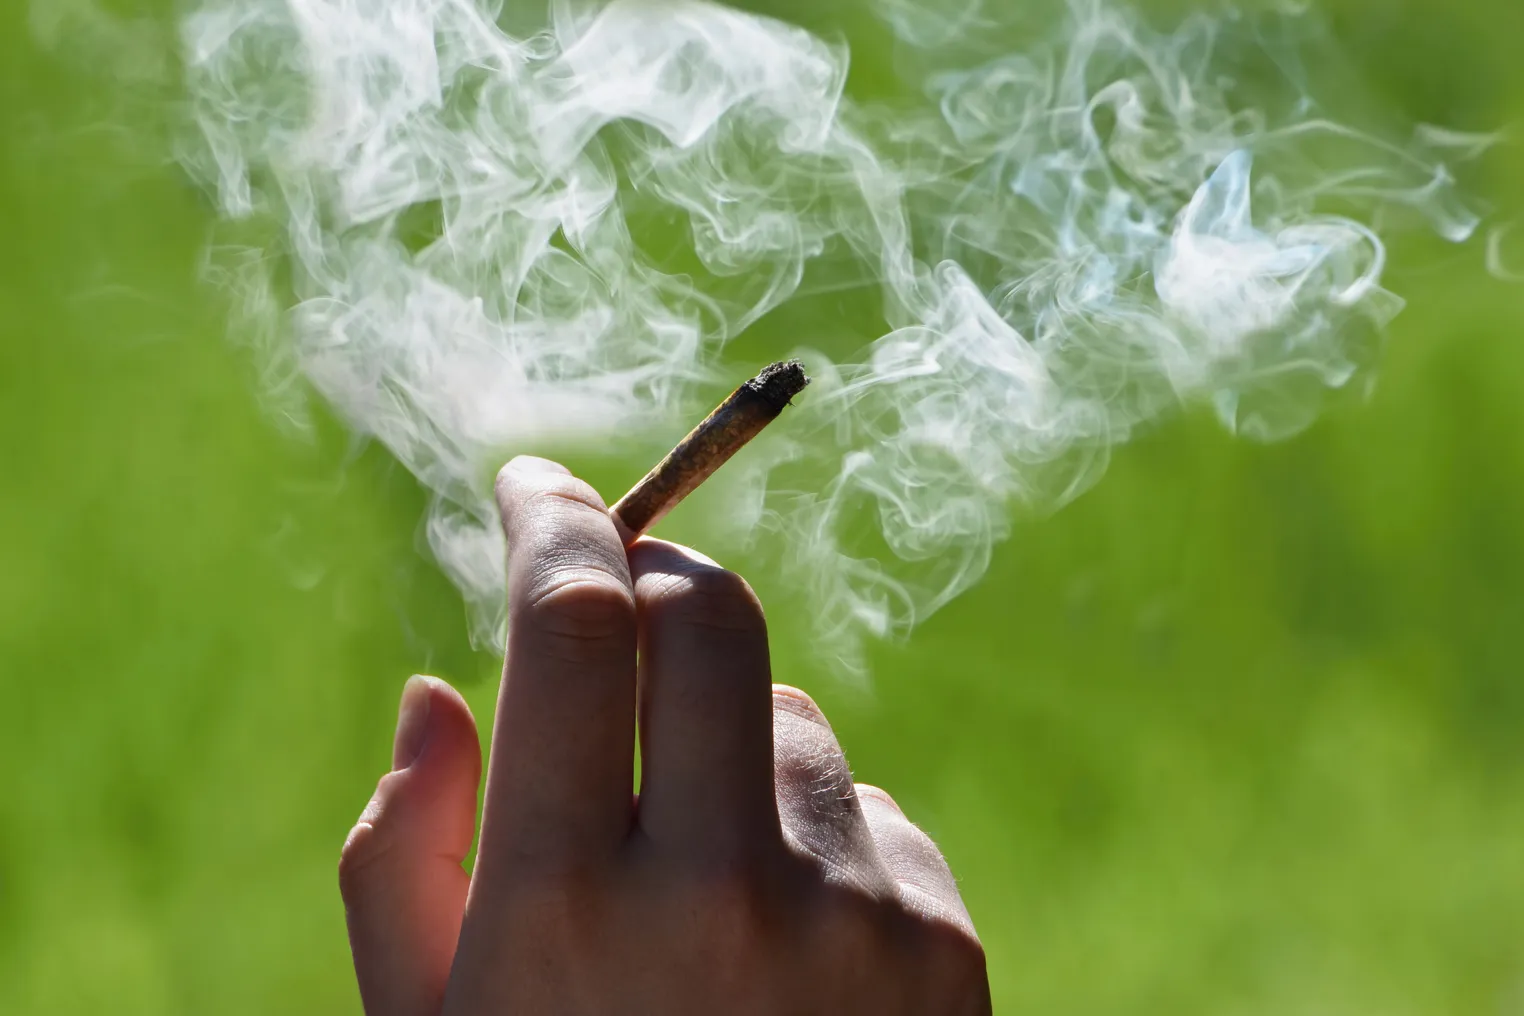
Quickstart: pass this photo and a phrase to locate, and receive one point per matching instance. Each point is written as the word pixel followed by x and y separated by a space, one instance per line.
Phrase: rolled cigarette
pixel 708 446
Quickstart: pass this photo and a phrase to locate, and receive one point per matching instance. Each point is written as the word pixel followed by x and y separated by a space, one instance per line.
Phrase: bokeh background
pixel 1239 732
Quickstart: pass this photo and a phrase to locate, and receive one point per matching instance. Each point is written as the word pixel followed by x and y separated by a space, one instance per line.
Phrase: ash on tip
pixel 779 382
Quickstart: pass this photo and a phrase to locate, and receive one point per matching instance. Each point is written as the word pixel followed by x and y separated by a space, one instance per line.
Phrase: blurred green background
pixel 1240 732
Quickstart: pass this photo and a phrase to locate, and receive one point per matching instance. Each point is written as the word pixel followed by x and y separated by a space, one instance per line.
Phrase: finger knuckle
pixel 927 868
pixel 362 848
pixel 504 482
pixel 582 613
pixel 937 901
pixel 810 763
pixel 371 843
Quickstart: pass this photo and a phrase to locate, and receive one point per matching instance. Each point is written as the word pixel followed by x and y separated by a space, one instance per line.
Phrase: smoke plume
pixel 1066 240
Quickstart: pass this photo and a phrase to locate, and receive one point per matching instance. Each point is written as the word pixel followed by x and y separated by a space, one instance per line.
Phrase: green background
pixel 1237 733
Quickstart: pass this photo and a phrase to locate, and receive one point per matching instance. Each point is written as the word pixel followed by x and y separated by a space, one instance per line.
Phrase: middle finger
pixel 561 770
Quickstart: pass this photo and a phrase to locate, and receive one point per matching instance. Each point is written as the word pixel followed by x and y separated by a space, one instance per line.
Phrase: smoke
pixel 1498 262
pixel 1068 241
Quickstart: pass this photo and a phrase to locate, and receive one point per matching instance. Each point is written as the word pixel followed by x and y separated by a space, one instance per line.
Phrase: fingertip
pixel 560 538
pixel 539 495
pixel 649 553
pixel 412 722
pixel 793 700
pixel 430 794
pixel 522 469
pixel 436 738
pixel 442 692
pixel 450 719
pixel 794 695
pixel 680 584
pixel 868 792
pixel 525 464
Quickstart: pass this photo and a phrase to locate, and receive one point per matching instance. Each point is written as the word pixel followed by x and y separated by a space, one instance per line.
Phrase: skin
pixel 749 876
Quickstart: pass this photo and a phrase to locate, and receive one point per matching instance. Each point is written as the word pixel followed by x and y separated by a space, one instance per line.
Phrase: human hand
pixel 750 875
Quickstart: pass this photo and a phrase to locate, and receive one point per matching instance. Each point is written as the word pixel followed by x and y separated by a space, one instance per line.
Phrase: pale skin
pixel 750 875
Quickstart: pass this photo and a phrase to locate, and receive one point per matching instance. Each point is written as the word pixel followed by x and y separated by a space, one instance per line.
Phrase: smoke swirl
pixel 1070 240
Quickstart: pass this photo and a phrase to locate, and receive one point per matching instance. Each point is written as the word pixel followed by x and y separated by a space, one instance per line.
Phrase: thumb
pixel 400 871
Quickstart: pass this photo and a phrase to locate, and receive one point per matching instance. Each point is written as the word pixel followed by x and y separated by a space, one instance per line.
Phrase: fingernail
pixel 412 723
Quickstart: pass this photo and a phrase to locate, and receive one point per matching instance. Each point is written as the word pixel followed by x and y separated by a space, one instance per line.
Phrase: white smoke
pixel 1070 240
pixel 1498 263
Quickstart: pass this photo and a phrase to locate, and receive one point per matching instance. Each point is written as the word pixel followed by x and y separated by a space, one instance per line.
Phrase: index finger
pixel 561 770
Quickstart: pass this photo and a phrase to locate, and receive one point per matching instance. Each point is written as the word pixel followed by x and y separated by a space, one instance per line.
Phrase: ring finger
pixel 817 801
pixel 705 727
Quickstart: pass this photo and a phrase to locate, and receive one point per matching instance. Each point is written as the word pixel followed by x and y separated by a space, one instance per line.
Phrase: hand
pixel 750 875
